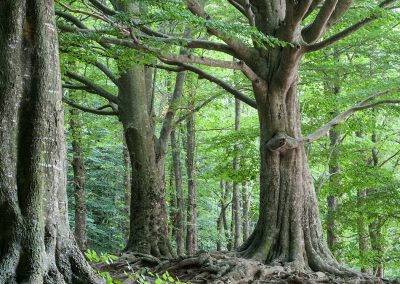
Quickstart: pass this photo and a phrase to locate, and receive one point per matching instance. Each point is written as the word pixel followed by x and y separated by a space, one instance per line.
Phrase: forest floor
pixel 216 268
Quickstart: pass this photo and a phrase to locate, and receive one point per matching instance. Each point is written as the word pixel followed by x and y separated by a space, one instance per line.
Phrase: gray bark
pixel 79 179
pixel 36 245
pixel 180 205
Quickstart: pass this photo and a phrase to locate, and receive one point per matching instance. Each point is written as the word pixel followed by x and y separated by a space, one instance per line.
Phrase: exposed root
pixel 220 268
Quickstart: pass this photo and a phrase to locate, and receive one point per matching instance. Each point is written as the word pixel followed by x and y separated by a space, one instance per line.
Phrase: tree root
pixel 218 268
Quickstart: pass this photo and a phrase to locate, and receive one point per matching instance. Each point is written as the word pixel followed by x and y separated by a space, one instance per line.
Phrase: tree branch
pixel 196 109
pixel 203 75
pixel 71 18
pixel 348 31
pixel 107 72
pixel 99 90
pixel 313 32
pixel 346 114
pixel 242 51
pixel 103 8
pixel 90 110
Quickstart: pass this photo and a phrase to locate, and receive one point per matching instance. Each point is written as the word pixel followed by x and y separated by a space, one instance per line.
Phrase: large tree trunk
pixel 289 228
pixel 79 179
pixel 236 191
pixel 148 219
pixel 180 203
pixel 36 245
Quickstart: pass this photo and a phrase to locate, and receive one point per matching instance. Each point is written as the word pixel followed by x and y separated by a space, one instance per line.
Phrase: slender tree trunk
pixel 180 205
pixel 36 245
pixel 79 179
pixel 228 230
pixel 375 227
pixel 362 231
pixel 246 210
pixel 191 227
pixel 332 199
pixel 236 191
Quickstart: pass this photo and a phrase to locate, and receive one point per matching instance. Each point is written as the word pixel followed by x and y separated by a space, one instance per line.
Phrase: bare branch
pixel 90 110
pixel 346 114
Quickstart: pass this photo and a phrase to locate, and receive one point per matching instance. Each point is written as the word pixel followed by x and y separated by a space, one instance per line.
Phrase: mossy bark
pixel 36 245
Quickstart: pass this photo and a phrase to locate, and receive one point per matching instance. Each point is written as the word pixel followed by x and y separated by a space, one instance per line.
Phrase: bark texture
pixel 180 203
pixel 36 245
pixel 246 211
pixel 289 229
pixel 79 180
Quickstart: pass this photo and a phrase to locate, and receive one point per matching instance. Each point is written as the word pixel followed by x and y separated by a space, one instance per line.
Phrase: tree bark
pixel 148 220
pixel 127 187
pixel 191 222
pixel 180 204
pixel 289 229
pixel 236 191
pixel 246 210
pixel 36 245
pixel 79 180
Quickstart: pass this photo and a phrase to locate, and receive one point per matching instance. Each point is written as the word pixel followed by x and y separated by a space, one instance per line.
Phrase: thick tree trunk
pixel 191 226
pixel 246 210
pixel 148 220
pixel 236 191
pixel 289 229
pixel 79 179
pixel 36 245
pixel 180 203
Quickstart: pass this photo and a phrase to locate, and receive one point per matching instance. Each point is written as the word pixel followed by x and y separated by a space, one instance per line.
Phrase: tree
pixel 79 179
pixel 134 107
pixel 36 243
pixel 269 49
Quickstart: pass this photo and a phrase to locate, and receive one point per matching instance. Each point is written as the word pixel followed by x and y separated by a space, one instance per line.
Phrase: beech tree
pixel 269 49
pixel 36 245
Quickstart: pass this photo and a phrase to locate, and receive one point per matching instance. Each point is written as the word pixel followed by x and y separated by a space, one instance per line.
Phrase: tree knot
pixel 282 142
